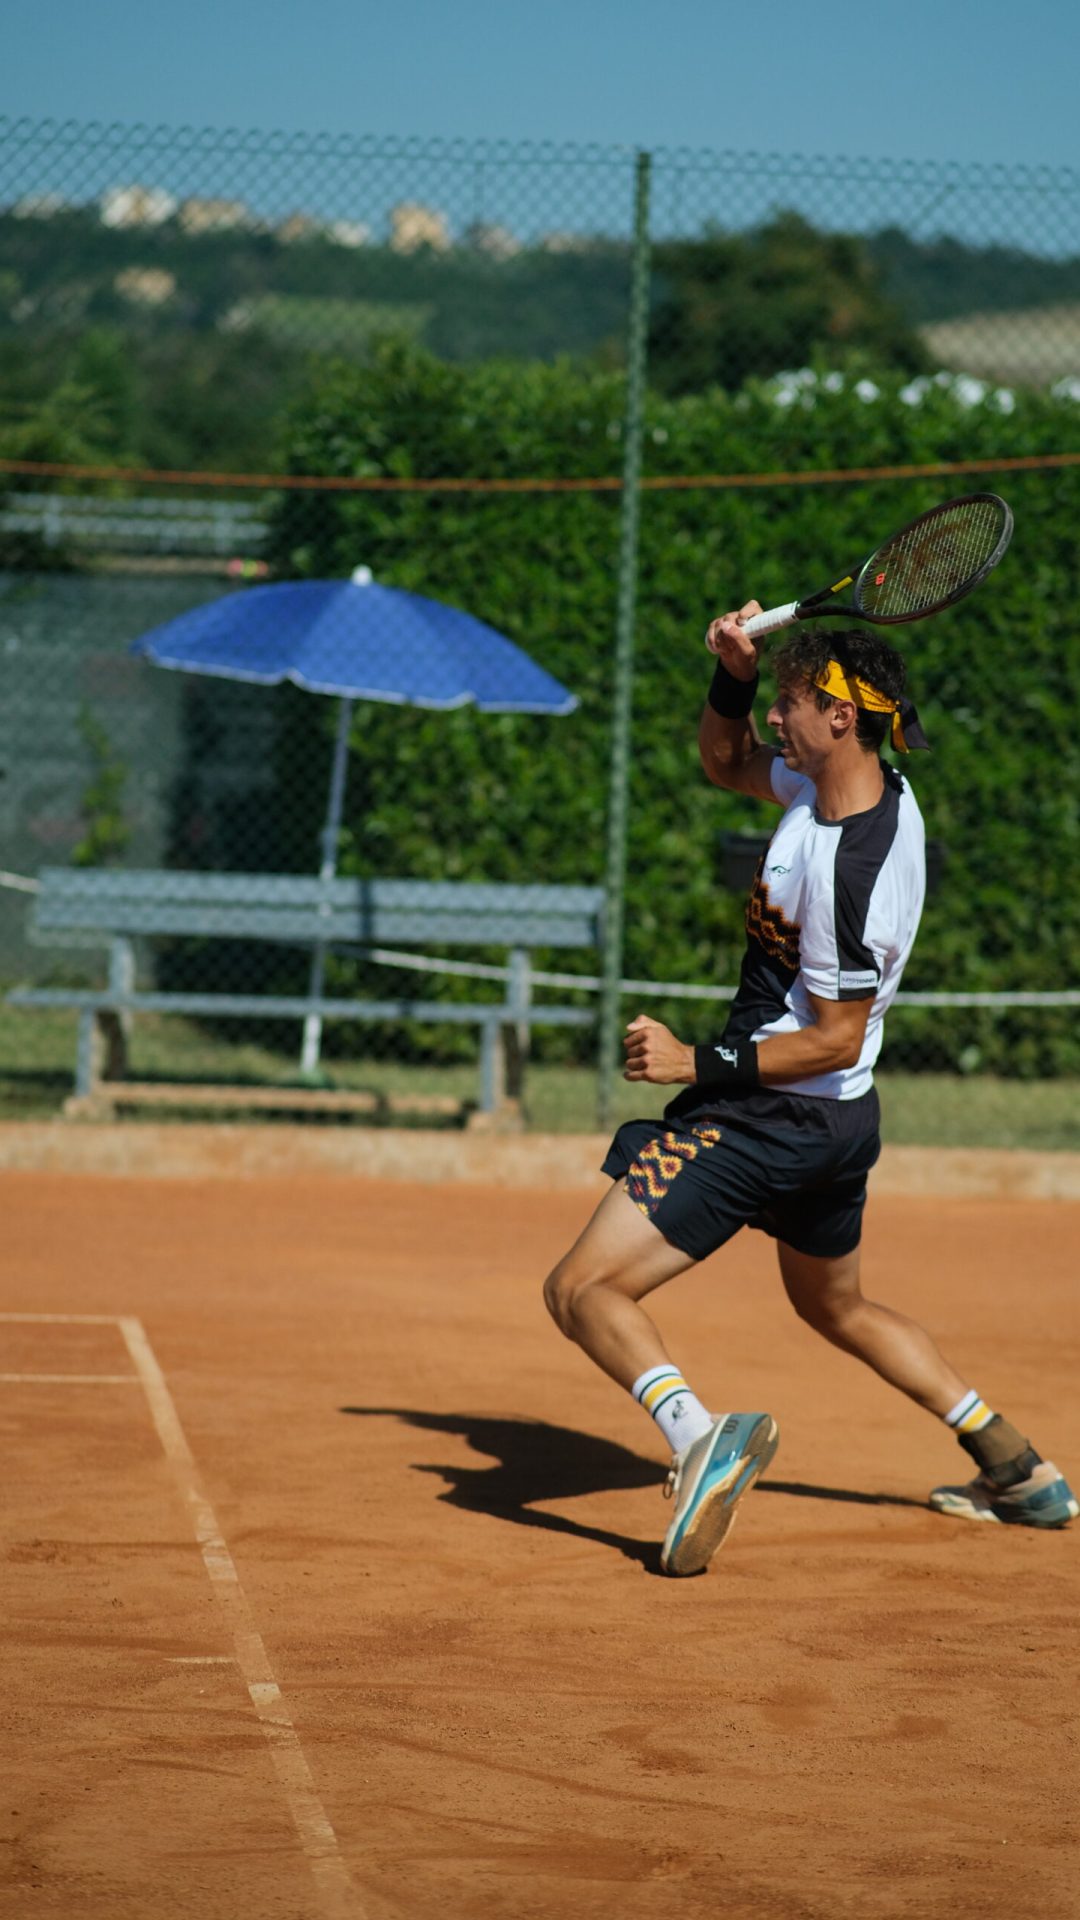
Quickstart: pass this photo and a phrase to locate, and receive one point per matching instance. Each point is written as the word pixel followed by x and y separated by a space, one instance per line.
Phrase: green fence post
pixel 615 870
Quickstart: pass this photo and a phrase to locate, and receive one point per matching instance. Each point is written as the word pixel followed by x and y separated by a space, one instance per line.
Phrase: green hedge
pixel 463 795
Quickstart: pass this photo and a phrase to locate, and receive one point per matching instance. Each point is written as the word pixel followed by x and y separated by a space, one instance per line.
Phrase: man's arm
pixel 730 746
pixel 833 1040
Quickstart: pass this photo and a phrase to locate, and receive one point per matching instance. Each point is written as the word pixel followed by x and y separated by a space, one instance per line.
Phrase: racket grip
pixel 771 620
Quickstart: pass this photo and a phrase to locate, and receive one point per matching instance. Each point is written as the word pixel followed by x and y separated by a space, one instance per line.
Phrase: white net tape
pixel 683 990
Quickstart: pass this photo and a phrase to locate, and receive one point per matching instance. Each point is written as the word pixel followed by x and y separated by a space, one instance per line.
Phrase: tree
pixel 728 306
pixel 107 832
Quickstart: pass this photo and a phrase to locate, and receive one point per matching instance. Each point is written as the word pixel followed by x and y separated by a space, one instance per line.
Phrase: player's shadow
pixel 535 1462
pixel 804 1490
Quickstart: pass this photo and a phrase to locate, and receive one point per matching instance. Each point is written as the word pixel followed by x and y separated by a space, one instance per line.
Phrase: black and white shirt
pixel 833 911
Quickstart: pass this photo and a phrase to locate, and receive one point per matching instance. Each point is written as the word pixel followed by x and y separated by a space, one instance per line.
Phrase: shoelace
pixel 670 1483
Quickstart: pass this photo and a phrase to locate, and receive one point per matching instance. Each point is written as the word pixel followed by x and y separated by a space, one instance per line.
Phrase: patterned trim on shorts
pixel 649 1178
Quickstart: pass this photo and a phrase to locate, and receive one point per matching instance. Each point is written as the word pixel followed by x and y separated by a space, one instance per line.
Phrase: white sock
pixel 678 1413
pixel 969 1415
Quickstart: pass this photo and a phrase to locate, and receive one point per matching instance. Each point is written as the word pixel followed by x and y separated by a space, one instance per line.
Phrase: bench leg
pixel 102 1050
pixel 90 1099
pixel 516 1036
pixel 86 1055
pixel 515 1054
pixel 112 1049
pixel 110 1056
pixel 497 1112
pixel 492 1078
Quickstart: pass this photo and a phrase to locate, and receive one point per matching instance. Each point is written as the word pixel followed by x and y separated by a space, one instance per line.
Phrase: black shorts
pixel 800 1177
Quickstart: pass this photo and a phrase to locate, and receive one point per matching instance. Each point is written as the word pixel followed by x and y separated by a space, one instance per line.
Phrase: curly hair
pixel 804 658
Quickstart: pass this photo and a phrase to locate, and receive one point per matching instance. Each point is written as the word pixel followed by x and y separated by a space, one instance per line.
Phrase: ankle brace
pixel 1001 1452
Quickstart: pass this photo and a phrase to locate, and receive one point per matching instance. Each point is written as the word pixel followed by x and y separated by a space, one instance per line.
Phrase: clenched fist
pixel 653 1053
pixel 725 638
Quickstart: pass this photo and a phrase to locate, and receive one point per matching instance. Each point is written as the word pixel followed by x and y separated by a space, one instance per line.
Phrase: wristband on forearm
pixel 732 699
pixel 729 1069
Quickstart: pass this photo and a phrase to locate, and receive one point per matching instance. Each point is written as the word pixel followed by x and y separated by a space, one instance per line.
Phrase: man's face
pixel 805 734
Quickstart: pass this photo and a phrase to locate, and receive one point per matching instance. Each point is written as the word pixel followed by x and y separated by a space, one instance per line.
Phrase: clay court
pixel 332 1581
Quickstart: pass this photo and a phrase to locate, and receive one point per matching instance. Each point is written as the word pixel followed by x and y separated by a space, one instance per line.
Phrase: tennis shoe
pixel 1044 1499
pixel 707 1481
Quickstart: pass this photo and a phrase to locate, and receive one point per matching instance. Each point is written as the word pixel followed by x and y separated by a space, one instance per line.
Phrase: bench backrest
pixel 301 909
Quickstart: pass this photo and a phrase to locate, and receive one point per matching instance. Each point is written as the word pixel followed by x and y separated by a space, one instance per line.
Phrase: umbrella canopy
pixel 357 641
pixel 360 641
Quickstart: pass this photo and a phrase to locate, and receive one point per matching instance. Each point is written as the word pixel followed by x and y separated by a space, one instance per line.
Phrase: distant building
pixel 348 233
pixel 135 206
pixel 297 226
pixel 145 286
pixel 499 242
pixel 213 216
pixel 563 243
pixel 413 226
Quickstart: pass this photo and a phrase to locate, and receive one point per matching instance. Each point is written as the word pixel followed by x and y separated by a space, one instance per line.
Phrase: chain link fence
pixel 586 397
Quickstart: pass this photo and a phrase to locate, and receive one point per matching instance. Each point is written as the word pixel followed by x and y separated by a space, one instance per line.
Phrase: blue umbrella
pixel 357 641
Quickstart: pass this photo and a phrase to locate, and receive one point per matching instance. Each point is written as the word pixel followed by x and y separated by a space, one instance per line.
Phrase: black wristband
pixel 732 1069
pixel 732 699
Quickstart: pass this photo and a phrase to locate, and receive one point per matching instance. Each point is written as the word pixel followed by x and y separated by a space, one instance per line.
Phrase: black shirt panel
pixel 865 843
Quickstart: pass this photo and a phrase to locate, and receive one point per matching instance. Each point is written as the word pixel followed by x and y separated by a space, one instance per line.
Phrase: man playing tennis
pixel 777 1127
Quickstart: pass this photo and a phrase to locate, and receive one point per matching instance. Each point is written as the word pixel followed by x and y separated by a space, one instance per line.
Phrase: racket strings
pixel 932 560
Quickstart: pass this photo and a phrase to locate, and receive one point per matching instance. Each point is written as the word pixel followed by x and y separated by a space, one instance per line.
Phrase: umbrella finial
pixel 361 576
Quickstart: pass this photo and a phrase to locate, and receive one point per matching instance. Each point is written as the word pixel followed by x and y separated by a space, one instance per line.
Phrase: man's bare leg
pixel 593 1293
pixel 1013 1483
pixel 826 1294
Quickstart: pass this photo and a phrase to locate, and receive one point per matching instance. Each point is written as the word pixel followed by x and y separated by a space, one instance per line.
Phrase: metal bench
pixel 81 906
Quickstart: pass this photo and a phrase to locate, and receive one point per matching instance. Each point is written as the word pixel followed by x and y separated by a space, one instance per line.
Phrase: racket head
pixel 934 561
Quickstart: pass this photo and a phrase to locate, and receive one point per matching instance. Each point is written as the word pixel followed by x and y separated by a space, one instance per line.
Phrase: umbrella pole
pixel 309 1052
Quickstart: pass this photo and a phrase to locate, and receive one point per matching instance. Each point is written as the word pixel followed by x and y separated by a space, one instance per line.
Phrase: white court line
pixel 317 1837
pixel 77 1379
pixel 64 1319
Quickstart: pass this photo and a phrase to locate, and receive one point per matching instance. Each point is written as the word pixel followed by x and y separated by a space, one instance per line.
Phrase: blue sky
pixel 968 80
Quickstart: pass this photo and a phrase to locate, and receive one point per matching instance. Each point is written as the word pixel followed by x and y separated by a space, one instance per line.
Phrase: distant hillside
pixel 69 271
pixel 159 346
pixel 944 279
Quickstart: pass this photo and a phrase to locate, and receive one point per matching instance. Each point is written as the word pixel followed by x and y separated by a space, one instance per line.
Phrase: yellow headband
pixel 906 731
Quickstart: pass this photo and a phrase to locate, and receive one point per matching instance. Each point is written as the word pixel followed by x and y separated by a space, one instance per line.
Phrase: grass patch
pixel 979 1110
pixel 37 1056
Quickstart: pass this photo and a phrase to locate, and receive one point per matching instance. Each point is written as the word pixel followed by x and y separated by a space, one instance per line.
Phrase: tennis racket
pixel 928 565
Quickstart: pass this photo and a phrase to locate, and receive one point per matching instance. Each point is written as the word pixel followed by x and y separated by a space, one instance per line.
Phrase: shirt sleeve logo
pixel 852 982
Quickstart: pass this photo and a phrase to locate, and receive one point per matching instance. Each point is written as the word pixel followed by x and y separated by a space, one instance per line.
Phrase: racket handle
pixel 771 620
